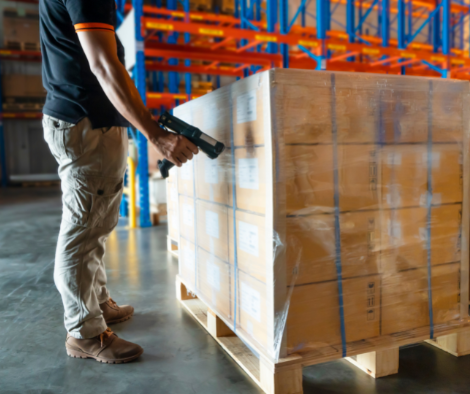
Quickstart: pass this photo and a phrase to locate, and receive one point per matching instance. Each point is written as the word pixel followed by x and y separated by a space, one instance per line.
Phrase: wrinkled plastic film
pixel 333 221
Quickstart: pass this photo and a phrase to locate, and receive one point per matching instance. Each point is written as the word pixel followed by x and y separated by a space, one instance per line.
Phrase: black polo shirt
pixel 73 91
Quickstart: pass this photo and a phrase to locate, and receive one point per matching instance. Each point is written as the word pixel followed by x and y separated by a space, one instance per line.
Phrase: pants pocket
pixel 64 138
pixel 92 201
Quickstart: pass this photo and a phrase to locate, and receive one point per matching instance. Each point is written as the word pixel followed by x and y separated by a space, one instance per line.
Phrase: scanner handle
pixel 165 166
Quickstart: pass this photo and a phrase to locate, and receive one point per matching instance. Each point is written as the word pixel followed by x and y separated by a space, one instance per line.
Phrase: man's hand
pixel 101 51
pixel 173 147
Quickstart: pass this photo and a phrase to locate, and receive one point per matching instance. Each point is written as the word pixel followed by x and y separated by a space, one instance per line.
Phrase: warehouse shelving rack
pixel 7 54
pixel 172 39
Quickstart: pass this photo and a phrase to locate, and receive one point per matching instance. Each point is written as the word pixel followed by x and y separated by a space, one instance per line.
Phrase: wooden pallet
pixel 285 376
pixel 172 246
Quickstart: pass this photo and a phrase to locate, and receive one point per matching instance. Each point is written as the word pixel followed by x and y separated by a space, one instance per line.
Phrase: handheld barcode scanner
pixel 208 145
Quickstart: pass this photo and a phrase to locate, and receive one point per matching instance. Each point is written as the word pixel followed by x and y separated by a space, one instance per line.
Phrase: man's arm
pixel 101 51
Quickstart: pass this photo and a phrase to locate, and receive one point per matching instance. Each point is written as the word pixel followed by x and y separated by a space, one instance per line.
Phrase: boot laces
pixel 112 302
pixel 105 336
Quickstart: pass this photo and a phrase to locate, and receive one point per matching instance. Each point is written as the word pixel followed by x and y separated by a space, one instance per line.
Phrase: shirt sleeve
pixel 90 15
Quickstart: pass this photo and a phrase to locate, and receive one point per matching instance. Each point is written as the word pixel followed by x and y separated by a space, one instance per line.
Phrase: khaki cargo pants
pixel 92 163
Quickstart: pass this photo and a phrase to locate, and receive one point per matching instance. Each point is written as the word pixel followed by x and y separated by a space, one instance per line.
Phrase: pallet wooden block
pixel 457 344
pixel 336 222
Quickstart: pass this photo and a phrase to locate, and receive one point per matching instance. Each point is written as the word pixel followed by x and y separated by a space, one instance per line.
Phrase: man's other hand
pixel 173 147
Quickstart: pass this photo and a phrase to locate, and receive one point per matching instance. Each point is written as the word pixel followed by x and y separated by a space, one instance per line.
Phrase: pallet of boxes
pixel 333 226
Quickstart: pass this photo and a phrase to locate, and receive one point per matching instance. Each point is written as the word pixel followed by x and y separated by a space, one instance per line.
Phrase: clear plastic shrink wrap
pixel 335 217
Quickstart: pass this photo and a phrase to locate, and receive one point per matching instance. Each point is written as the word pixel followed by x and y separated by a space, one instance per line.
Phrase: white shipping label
pixel 212 224
pixel 394 229
pixel 211 172
pixel 189 259
pixel 435 159
pixel 393 159
pixel 188 215
pixel 250 301
pixel 248 238
pixel 187 171
pixel 248 174
pixel 213 276
pixel 246 107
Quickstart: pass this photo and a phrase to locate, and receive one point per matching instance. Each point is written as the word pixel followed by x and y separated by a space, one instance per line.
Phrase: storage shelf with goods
pixel 21 99
pixel 336 223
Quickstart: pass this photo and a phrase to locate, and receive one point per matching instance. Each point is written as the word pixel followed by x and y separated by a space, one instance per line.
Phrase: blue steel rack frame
pixel 443 54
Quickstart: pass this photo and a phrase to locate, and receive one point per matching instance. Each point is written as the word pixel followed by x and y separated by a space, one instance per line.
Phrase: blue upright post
pixel 360 17
pixel 187 38
pixel 410 19
pixel 350 22
pixel 3 159
pixel 446 33
pixel 172 39
pixel 142 169
pixel 401 24
pixel 385 23
pixel 271 19
pixel 283 29
pixel 436 30
pixel 321 26
pixel 401 28
pixel 244 25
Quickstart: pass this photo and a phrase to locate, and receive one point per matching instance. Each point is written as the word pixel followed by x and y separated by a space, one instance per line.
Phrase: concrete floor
pixel 179 356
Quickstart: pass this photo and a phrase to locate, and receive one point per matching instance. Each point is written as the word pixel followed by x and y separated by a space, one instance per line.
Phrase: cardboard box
pixel 405 303
pixel 447 173
pixel 214 178
pixel 448 108
pixel 314 316
pixel 446 234
pixel 250 106
pixel 250 179
pixel 404 239
pixel 311 247
pixel 187 218
pixel 251 244
pixel 403 175
pixel 214 282
pixel 212 229
pixel 187 262
pixel 358 170
pixel 252 309
pixel 309 179
pixel 186 178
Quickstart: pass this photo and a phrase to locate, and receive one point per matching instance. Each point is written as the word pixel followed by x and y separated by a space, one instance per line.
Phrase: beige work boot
pixel 113 313
pixel 105 348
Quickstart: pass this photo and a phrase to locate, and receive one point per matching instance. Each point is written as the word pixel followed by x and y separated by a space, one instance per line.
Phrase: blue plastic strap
pixel 337 224
pixel 428 206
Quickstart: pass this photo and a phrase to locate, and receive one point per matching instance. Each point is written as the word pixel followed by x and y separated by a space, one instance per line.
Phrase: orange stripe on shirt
pixel 93 26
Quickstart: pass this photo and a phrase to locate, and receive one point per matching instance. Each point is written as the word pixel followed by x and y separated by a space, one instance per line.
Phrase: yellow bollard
pixel 131 193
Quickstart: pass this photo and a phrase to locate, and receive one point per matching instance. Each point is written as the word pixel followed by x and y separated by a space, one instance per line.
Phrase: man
pixel 90 102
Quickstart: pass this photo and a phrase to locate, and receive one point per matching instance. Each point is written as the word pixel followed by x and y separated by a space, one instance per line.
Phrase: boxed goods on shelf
pixel 337 218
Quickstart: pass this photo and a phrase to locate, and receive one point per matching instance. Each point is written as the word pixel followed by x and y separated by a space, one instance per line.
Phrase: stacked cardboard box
pixel 21 29
pixel 336 213
pixel 23 92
